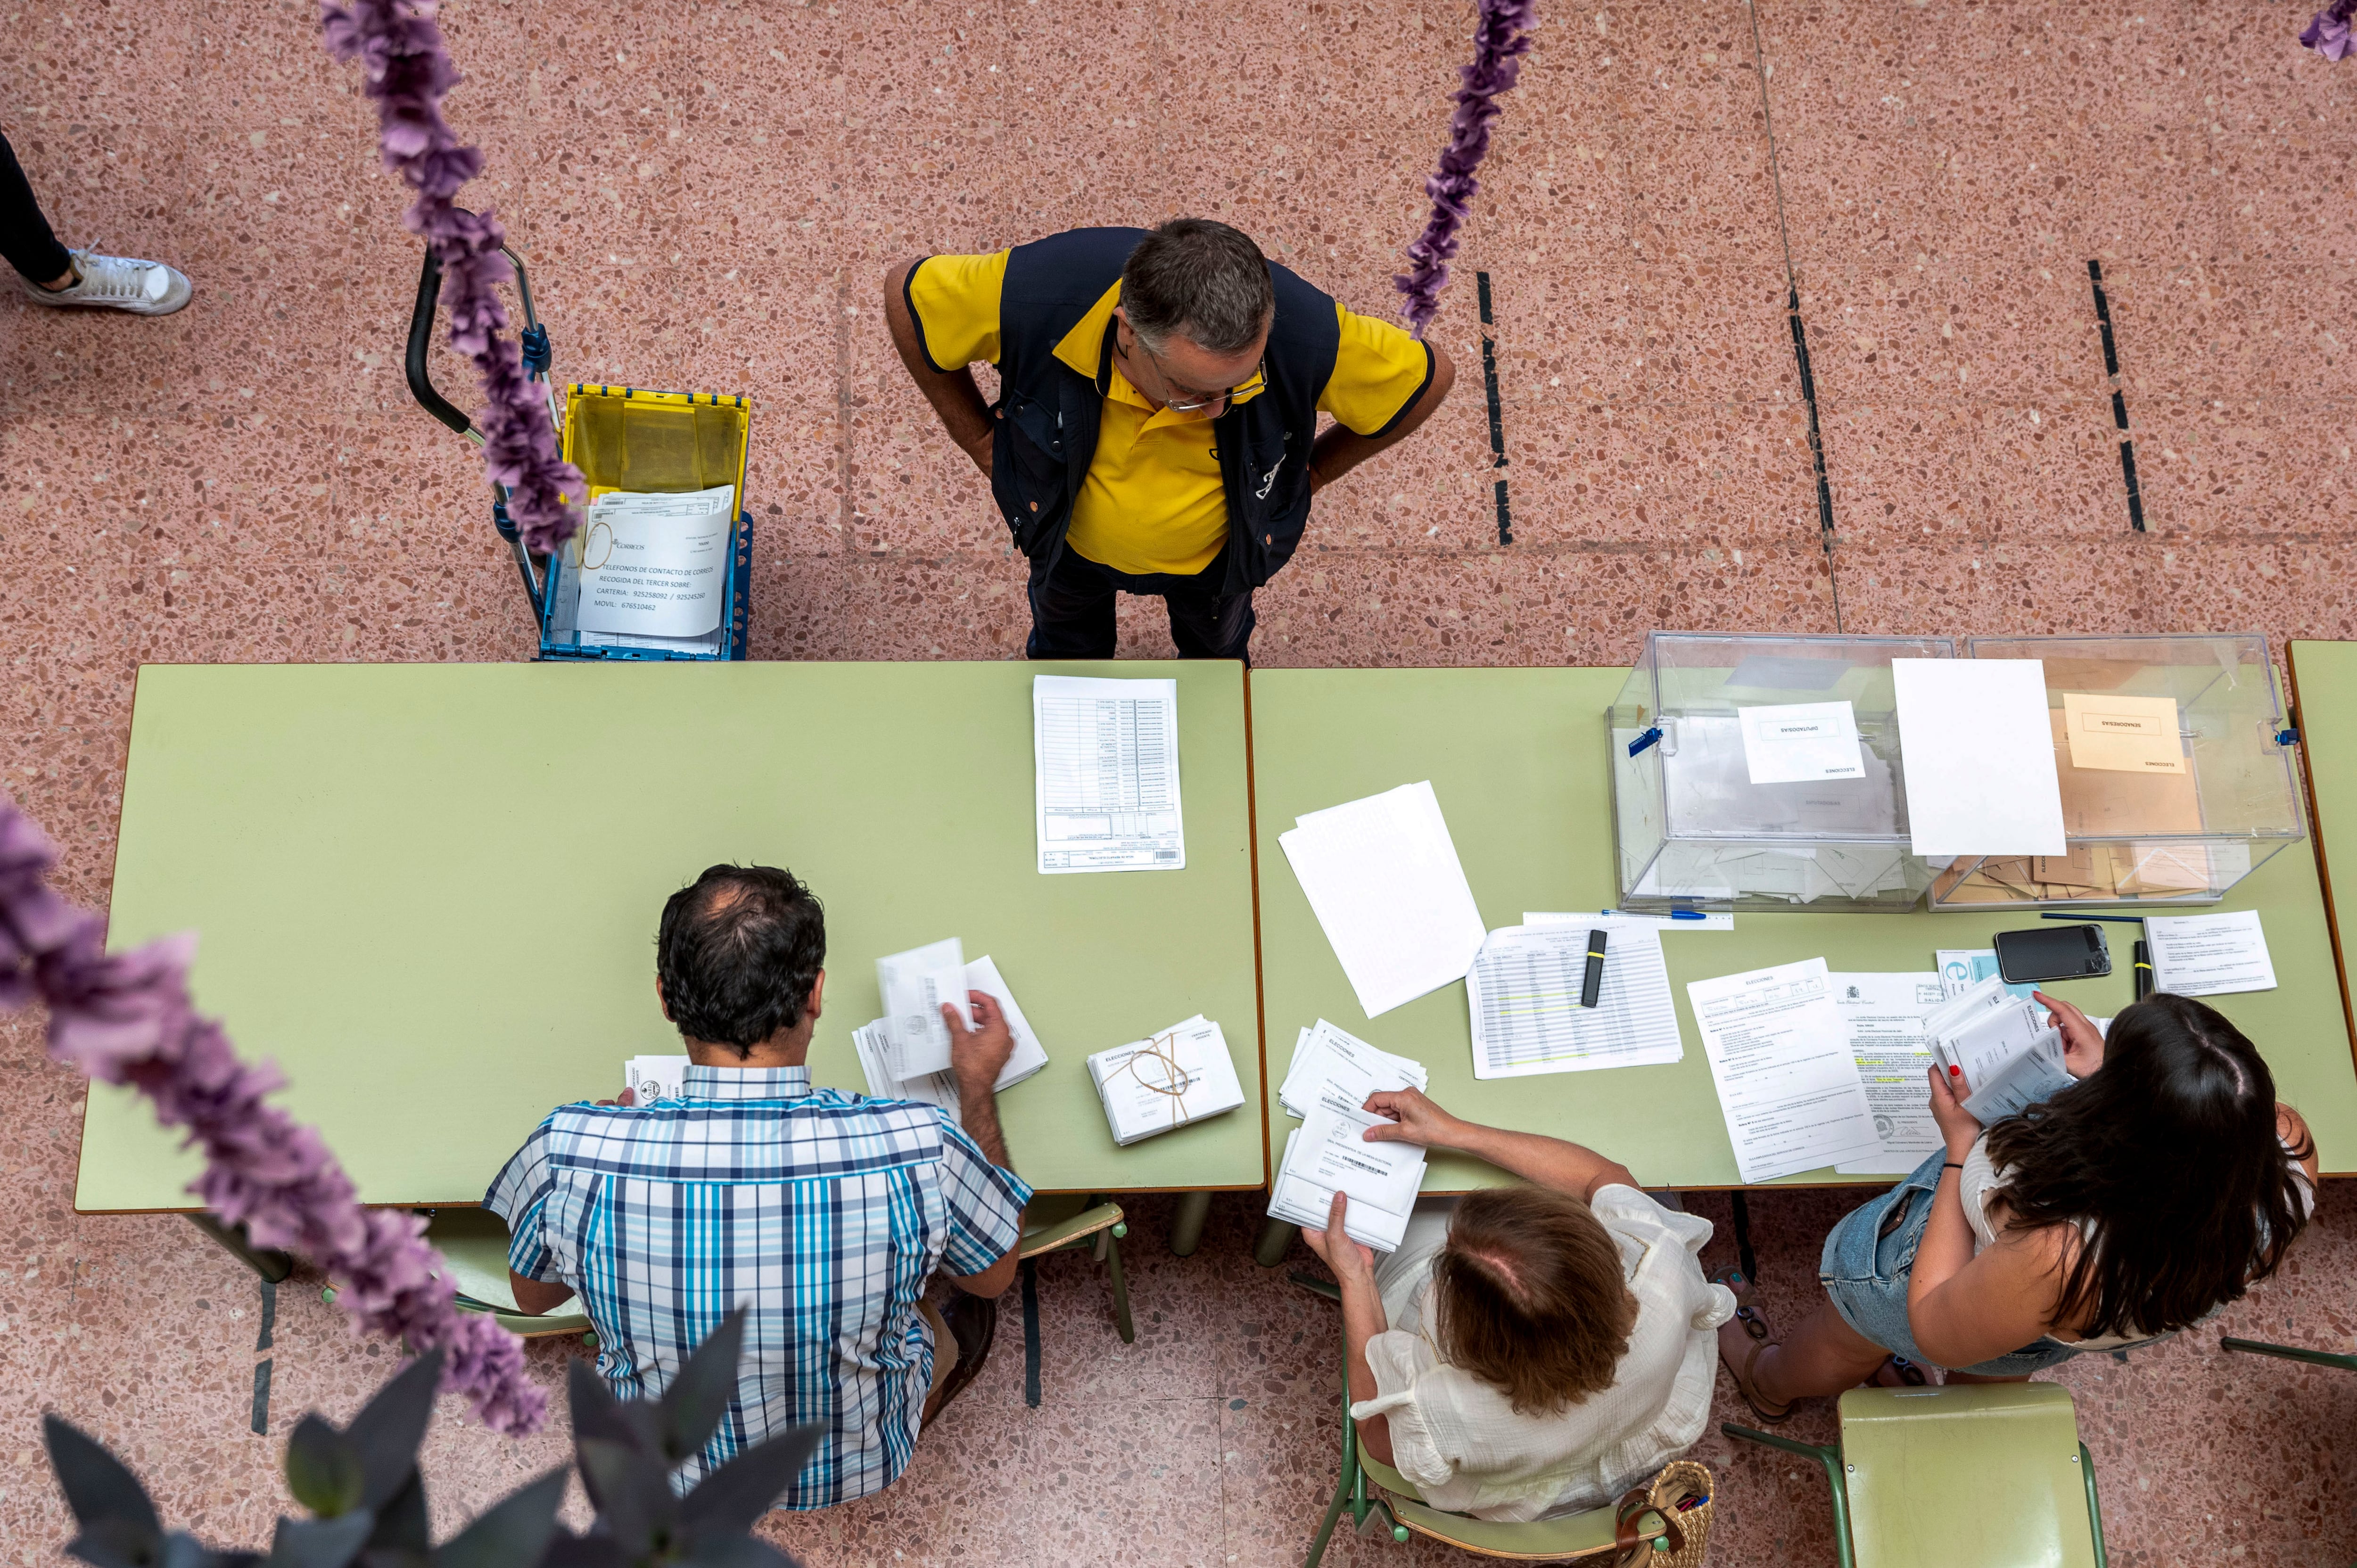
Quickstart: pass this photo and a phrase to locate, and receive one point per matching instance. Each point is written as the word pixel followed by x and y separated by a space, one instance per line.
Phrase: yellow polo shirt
pixel 1152 501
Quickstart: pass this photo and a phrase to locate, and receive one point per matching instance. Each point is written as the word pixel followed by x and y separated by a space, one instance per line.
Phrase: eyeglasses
pixel 1190 397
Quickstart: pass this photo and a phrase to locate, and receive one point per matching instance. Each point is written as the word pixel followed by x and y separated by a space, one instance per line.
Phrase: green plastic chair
pixel 1063 1221
pixel 1404 1512
pixel 2290 1352
pixel 1989 1474
pixel 474 1247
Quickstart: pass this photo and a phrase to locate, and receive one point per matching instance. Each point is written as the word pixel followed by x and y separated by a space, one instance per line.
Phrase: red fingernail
pixel 1955 1073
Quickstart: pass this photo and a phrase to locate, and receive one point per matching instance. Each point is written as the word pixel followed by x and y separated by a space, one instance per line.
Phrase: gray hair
pixel 1201 278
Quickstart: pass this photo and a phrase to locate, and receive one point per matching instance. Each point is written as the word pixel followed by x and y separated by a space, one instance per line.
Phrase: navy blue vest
pixel 1047 415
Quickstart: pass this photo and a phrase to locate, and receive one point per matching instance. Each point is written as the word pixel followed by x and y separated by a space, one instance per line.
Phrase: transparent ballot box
pixel 2175 772
pixel 1764 773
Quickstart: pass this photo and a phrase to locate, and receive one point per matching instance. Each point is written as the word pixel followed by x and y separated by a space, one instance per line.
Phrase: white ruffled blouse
pixel 1466 1447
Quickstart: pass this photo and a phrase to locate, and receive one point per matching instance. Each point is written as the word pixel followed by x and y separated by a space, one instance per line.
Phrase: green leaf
pixel 402 1531
pixel 99 1489
pixel 386 1433
pixel 729 1499
pixel 637 1507
pixel 514 1532
pixel 323 1468
pixel 698 1398
pixel 319 1542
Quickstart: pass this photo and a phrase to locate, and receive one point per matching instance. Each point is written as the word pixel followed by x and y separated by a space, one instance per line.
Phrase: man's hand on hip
pixel 977 1055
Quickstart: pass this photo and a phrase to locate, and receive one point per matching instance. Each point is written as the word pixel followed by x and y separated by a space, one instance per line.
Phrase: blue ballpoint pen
pixel 1674 914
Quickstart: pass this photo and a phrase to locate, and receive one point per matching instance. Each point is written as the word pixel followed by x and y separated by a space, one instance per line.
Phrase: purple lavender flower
pixel 2327 32
pixel 400 48
pixel 1500 37
pixel 127 1018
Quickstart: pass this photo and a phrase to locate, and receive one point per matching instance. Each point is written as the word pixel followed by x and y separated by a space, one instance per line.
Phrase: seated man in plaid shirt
pixel 825 1213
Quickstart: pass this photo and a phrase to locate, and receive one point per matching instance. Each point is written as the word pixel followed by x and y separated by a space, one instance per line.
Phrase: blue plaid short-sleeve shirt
pixel 825 1213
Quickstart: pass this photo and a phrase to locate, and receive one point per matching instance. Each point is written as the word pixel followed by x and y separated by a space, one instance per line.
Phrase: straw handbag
pixel 1685 1535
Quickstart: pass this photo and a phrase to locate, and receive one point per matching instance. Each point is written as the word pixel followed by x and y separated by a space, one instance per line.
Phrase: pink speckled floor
pixel 709 193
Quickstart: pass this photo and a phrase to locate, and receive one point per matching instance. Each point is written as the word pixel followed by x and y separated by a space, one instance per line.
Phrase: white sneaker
pixel 118 283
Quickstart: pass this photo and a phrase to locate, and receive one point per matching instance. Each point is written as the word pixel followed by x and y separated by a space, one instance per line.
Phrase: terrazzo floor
pixel 709 194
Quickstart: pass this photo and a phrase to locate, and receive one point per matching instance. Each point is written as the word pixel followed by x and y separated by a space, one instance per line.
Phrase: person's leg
pixel 1205 623
pixel 1824 1355
pixel 1071 609
pixel 945 1359
pixel 24 235
pixel 56 276
pixel 963 1331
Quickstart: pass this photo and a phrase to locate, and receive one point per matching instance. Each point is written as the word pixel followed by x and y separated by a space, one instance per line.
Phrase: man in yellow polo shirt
pixel 1157 426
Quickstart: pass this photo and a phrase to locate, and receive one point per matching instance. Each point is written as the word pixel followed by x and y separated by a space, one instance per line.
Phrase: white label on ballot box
pixel 651 562
pixel 1800 743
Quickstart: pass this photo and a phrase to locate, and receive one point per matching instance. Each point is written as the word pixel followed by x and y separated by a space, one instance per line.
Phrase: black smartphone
pixel 2053 953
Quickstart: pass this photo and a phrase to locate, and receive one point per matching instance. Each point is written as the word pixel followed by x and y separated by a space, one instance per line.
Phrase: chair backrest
pixel 1988 1474
pixel 474 1247
pixel 1568 1539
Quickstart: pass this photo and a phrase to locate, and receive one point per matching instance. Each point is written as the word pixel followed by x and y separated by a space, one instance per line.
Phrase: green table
pixel 430 892
pixel 1518 760
pixel 2324 710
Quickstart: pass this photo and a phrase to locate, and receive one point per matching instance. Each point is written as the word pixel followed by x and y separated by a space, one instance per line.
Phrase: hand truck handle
pixel 421 337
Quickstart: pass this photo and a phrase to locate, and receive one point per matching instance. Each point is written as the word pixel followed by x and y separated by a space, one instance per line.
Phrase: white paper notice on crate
pixel 655 563
pixel 1800 743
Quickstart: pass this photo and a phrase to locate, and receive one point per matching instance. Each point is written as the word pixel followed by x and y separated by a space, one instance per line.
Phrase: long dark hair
pixel 2170 1149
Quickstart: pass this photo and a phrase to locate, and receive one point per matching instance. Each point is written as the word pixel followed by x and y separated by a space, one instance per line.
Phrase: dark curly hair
pixel 738 950
pixel 2170 1148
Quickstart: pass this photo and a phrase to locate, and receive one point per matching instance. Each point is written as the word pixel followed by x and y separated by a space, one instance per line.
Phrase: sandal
pixel 1897 1372
pixel 1755 1326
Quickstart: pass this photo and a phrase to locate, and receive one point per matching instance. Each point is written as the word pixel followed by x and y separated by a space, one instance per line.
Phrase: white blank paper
pixel 1382 876
pixel 1979 754
pixel 1105 768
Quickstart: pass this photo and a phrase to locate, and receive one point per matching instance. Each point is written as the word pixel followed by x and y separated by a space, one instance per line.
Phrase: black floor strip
pixel 1030 1334
pixel 262 1398
pixel 1816 445
pixel 2119 402
pixel 262 1368
pixel 1497 416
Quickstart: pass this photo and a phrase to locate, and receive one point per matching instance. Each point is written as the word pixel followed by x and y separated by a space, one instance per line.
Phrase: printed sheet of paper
pixel 650 1079
pixel 1382 876
pixel 1104 757
pixel 2123 734
pixel 914 984
pixel 1028 1056
pixel 1980 757
pixel 1800 743
pixel 1333 1066
pixel 1882 1017
pixel 1328 1153
pixel 1781 1061
pixel 2208 955
pixel 1523 995
pixel 871 1045
pixel 653 564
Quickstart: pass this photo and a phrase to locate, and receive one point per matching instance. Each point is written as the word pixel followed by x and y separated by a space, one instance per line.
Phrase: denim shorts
pixel 1870 1255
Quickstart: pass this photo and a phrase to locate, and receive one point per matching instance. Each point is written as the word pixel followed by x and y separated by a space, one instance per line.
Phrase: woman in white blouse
pixel 1534 1349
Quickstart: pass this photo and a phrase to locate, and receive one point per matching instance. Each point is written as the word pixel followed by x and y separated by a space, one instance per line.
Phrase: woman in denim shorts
pixel 2136 1203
